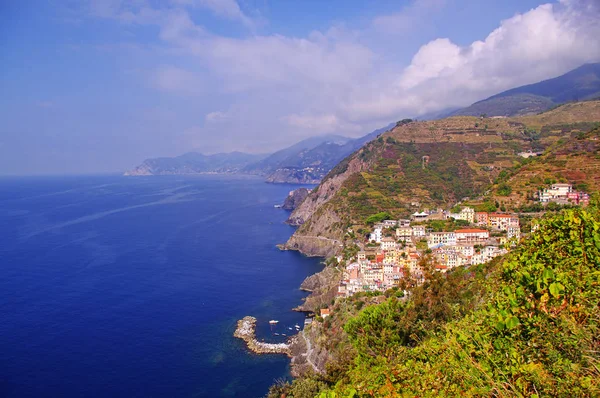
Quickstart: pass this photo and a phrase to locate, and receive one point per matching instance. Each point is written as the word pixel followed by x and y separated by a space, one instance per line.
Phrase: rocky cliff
pixel 323 287
pixel 295 198
pixel 322 235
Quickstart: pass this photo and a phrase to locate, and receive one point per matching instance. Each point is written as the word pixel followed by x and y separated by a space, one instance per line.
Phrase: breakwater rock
pixel 246 330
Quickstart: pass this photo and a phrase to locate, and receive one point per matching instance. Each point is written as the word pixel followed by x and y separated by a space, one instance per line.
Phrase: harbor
pixel 246 330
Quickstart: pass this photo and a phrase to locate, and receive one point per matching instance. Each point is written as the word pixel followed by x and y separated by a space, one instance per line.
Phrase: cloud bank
pixel 334 81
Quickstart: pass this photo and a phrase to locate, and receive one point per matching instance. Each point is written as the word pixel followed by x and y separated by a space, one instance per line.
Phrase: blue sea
pixel 117 286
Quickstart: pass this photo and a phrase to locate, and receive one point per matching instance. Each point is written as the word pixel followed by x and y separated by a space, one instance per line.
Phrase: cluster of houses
pixel 392 250
pixel 563 194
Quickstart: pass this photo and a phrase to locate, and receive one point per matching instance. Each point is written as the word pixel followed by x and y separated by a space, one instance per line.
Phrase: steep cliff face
pixel 323 287
pixel 295 198
pixel 322 234
pixel 327 189
pixel 291 175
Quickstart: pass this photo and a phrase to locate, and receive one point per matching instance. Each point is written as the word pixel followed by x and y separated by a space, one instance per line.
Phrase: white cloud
pixel 215 117
pixel 332 81
pixel 412 16
pixel 226 8
pixel 176 80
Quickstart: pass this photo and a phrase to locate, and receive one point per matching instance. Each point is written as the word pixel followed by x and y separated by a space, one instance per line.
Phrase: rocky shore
pixel 246 330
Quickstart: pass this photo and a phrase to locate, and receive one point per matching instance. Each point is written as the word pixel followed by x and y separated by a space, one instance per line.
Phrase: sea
pixel 115 286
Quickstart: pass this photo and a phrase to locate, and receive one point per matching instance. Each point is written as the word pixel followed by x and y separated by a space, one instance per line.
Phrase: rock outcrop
pixel 246 330
pixel 322 287
pixel 295 198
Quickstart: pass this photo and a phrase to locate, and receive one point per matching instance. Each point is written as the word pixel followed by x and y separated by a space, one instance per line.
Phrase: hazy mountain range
pixel 308 161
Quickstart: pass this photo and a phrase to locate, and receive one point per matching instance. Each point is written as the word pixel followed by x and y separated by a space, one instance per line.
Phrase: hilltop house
pixel 556 192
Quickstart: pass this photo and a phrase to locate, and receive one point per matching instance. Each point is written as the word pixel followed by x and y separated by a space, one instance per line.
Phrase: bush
pixel 375 218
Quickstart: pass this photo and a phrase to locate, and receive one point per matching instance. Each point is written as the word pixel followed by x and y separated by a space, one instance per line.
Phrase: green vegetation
pixel 525 325
pixel 504 190
pixel 375 218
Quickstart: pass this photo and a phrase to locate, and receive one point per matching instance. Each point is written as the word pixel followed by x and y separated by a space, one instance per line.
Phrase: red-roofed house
pixel 471 235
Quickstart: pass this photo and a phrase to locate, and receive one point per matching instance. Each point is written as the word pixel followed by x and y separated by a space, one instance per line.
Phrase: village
pixel 395 247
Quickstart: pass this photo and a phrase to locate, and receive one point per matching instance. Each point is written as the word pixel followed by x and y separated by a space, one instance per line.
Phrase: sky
pixel 93 86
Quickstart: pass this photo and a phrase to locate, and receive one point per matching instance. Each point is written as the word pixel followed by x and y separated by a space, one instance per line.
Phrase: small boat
pixel 290 328
pixel 273 322
pixel 283 334
pixel 276 334
pixel 278 206
pixel 297 326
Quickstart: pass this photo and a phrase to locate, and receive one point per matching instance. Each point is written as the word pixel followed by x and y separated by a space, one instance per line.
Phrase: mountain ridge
pixel 580 84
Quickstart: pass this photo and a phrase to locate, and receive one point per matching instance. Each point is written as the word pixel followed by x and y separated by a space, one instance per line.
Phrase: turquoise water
pixel 120 287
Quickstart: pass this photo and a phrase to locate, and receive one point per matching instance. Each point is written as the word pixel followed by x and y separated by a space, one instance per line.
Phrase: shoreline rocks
pixel 246 330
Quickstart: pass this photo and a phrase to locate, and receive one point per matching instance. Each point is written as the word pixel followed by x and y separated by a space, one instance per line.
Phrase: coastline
pixel 305 353
pixel 246 330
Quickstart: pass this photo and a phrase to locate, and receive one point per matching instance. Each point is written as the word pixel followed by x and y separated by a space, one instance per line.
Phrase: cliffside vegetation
pixel 525 325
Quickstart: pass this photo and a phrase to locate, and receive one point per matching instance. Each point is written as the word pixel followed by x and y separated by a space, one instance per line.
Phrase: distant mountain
pixel 309 166
pixel 196 163
pixel 306 162
pixel 579 84
pixel 287 155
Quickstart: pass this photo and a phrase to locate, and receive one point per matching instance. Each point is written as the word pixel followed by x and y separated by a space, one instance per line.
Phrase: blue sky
pixel 99 85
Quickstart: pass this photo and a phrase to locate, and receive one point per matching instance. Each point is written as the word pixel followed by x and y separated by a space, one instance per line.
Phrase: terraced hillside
pixel 574 159
pixel 419 165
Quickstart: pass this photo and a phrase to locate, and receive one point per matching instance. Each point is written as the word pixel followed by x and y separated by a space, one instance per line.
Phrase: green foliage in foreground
pixel 528 326
pixel 537 335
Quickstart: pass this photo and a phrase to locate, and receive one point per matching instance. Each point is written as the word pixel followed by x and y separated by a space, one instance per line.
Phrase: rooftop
pixel 469 231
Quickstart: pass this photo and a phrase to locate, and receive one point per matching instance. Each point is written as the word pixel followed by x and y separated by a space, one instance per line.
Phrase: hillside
pixel 194 163
pixel 309 165
pixel 579 84
pixel 575 159
pixel 525 325
pixel 420 165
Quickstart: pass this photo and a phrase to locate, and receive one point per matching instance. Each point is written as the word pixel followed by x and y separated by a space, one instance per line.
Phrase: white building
pixel 556 191
pixel 404 233
pixel 466 214
pixel 390 223
pixel 441 238
pixel 513 232
pixel 471 235
pixel 466 250
pixel 388 244
pixel 419 216
pixel 376 235
pixel 418 231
